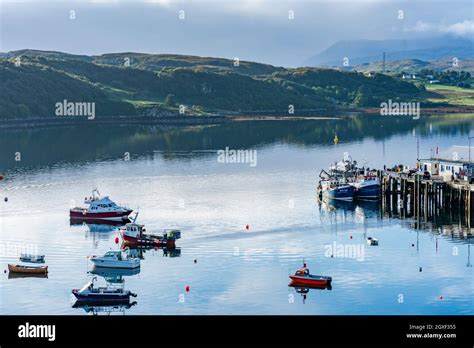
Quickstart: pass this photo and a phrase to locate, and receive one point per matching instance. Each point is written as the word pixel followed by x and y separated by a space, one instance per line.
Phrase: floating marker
pixel 195 261
pixel 441 297
pixel 116 240
pixel 1 177
pixel 350 236
pixel 6 199
pixel 413 245
pixel 187 288
pixel 247 227
pixel 421 269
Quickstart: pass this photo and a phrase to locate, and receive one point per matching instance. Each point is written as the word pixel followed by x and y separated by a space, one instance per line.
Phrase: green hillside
pixel 161 83
pixel 416 65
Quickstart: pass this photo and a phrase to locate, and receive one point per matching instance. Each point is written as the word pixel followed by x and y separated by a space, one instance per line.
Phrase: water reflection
pixel 140 251
pixel 171 143
pixel 304 291
pixel 105 309
pixel 14 275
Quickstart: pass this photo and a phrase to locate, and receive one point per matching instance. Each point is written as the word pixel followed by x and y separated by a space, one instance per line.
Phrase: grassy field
pixel 455 96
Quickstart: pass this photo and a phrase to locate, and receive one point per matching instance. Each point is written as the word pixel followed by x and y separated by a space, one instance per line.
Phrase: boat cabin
pixel 134 230
pixel 302 272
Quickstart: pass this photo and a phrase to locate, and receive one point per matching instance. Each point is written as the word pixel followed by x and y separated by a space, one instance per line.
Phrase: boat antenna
pixel 136 216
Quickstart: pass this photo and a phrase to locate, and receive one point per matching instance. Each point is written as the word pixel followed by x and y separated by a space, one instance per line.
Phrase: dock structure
pixel 415 197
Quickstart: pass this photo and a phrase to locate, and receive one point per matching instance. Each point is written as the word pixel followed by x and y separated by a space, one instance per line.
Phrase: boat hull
pixel 27 270
pixel 83 214
pixel 343 193
pixel 367 192
pixel 152 242
pixel 102 263
pixel 102 298
pixel 310 281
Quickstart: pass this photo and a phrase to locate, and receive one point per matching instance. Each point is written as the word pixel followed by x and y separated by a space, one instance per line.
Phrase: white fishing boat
pixel 100 208
pixel 116 259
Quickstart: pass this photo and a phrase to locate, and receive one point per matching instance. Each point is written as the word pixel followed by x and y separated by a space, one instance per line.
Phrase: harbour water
pixel 173 178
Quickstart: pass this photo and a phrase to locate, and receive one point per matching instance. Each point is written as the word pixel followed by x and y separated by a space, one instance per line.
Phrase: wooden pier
pixel 413 196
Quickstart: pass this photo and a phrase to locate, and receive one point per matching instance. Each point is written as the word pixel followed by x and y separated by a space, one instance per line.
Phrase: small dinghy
pixel 372 241
pixel 32 258
pixel 102 294
pixel 116 259
pixel 30 269
pixel 302 278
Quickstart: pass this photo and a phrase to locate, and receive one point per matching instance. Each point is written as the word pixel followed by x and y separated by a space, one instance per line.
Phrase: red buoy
pixel 116 240
pixel 247 227
pixel 441 297
pixel 187 288
pixel 1 177
pixel 350 237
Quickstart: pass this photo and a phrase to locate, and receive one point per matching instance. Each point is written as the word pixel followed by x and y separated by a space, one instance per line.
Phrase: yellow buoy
pixel 336 139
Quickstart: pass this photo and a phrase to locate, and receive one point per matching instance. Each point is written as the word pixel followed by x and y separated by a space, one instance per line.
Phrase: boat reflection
pixel 336 211
pixel 114 275
pixel 139 251
pixel 106 309
pixel 13 275
pixel 303 291
pixel 96 225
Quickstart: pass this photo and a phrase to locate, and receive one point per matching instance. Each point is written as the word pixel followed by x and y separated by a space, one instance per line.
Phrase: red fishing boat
pixel 136 235
pixel 303 278
pixel 100 208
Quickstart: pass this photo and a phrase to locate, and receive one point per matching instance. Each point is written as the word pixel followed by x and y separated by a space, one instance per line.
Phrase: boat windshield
pixel 89 285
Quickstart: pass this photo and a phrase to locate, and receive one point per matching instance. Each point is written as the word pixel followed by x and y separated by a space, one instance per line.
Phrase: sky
pixel 256 30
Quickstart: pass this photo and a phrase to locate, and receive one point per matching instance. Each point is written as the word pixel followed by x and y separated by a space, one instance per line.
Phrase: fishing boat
pixel 135 235
pixel 367 187
pixel 372 241
pixel 102 294
pixel 100 208
pixel 335 189
pixel 29 269
pixel 302 278
pixel 32 258
pixel 115 259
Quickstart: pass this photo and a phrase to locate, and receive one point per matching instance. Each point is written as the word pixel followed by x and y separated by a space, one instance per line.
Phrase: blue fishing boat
pixel 367 187
pixel 337 190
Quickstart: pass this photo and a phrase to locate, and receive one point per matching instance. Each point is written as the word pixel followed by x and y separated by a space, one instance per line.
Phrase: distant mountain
pixel 415 65
pixel 367 51
pixel 158 84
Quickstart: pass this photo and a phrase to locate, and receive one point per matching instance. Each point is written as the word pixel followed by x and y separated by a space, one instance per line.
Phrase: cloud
pixel 465 28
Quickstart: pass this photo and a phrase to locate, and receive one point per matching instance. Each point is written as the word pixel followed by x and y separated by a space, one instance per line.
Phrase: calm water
pixel 173 177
